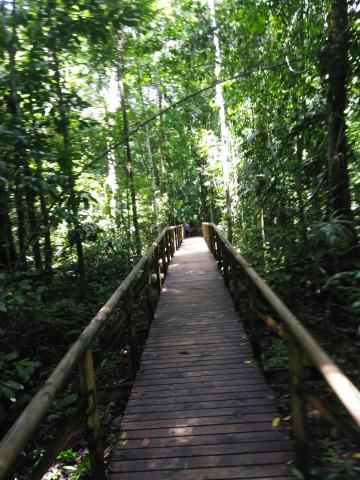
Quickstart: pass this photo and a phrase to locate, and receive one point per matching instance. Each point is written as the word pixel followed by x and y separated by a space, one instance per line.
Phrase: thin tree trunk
pixel 224 131
pixel 7 246
pixel 15 112
pixel 33 223
pixel 67 162
pixel 129 166
pixel 338 180
pixel 161 141
pixel 45 220
pixel 263 238
pixel 24 170
pixel 204 191
pixel 150 155
pixel 299 192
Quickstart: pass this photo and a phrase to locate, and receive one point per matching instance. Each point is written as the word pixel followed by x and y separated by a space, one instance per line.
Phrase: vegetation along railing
pixel 145 277
pixel 239 278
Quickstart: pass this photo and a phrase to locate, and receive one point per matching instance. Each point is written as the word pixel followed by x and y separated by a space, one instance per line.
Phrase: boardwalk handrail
pixel 300 342
pixel 154 261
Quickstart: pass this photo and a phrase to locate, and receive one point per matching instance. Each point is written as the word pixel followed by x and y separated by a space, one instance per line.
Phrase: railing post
pixel 176 233
pixel 235 284
pixel 218 251
pixel 158 268
pixel 254 330
pixel 167 251
pixel 131 326
pixel 93 427
pixel 147 273
pixel 298 409
pixel 164 254
pixel 172 241
pixel 225 264
pixel 205 233
pixel 211 240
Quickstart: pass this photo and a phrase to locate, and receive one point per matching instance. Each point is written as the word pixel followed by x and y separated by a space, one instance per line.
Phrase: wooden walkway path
pixel 200 407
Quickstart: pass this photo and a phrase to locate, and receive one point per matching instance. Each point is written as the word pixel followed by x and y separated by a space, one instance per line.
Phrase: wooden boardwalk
pixel 200 407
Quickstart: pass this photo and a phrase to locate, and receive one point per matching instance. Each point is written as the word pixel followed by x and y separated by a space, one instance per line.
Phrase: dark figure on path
pixel 187 230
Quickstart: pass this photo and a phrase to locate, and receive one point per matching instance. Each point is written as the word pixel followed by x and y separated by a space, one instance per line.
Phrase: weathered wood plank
pixel 200 412
pixel 260 472
pixel 181 463
pixel 202 450
pixel 201 440
pixel 142 400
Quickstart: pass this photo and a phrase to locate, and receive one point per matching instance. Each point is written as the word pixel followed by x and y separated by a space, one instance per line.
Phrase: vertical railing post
pixel 158 268
pixel 164 254
pixel 172 241
pixel 176 232
pixel 211 239
pixel 149 304
pixel 298 413
pixel 217 250
pixel 225 264
pixel 132 331
pixel 254 330
pixel 235 284
pixel 93 426
pixel 205 234
pixel 168 246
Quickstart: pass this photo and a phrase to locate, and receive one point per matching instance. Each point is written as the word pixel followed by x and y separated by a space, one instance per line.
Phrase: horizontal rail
pixel 16 438
pixel 344 389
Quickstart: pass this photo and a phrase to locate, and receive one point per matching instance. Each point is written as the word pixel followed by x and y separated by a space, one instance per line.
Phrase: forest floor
pixel 333 456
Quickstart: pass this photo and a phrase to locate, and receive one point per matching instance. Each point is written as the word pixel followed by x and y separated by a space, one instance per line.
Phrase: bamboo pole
pixel 298 412
pixel 150 309
pixel 132 332
pixel 93 426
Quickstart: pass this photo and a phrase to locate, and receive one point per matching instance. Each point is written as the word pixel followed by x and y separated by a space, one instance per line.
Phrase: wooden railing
pixel 152 266
pixel 263 303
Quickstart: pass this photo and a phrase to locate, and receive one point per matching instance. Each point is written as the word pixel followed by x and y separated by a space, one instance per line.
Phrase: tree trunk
pixel 299 190
pixel 7 245
pixel 19 147
pixel 204 191
pixel 161 141
pixel 129 166
pixel 337 63
pixel 224 131
pixel 66 164
pixel 154 186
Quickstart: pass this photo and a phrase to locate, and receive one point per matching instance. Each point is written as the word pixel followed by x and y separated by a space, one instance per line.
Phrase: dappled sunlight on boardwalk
pixel 200 407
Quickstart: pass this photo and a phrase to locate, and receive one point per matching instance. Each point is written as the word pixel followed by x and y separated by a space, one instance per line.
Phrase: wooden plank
pixel 198 421
pixel 194 365
pixel 207 382
pixel 202 450
pixel 196 377
pixel 200 407
pixel 143 399
pixel 200 412
pixel 200 440
pixel 265 472
pixel 234 387
pixel 183 431
pixel 181 463
pixel 196 372
pixel 204 405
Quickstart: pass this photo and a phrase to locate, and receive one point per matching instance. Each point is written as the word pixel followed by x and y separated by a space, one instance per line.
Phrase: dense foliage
pixel 86 181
